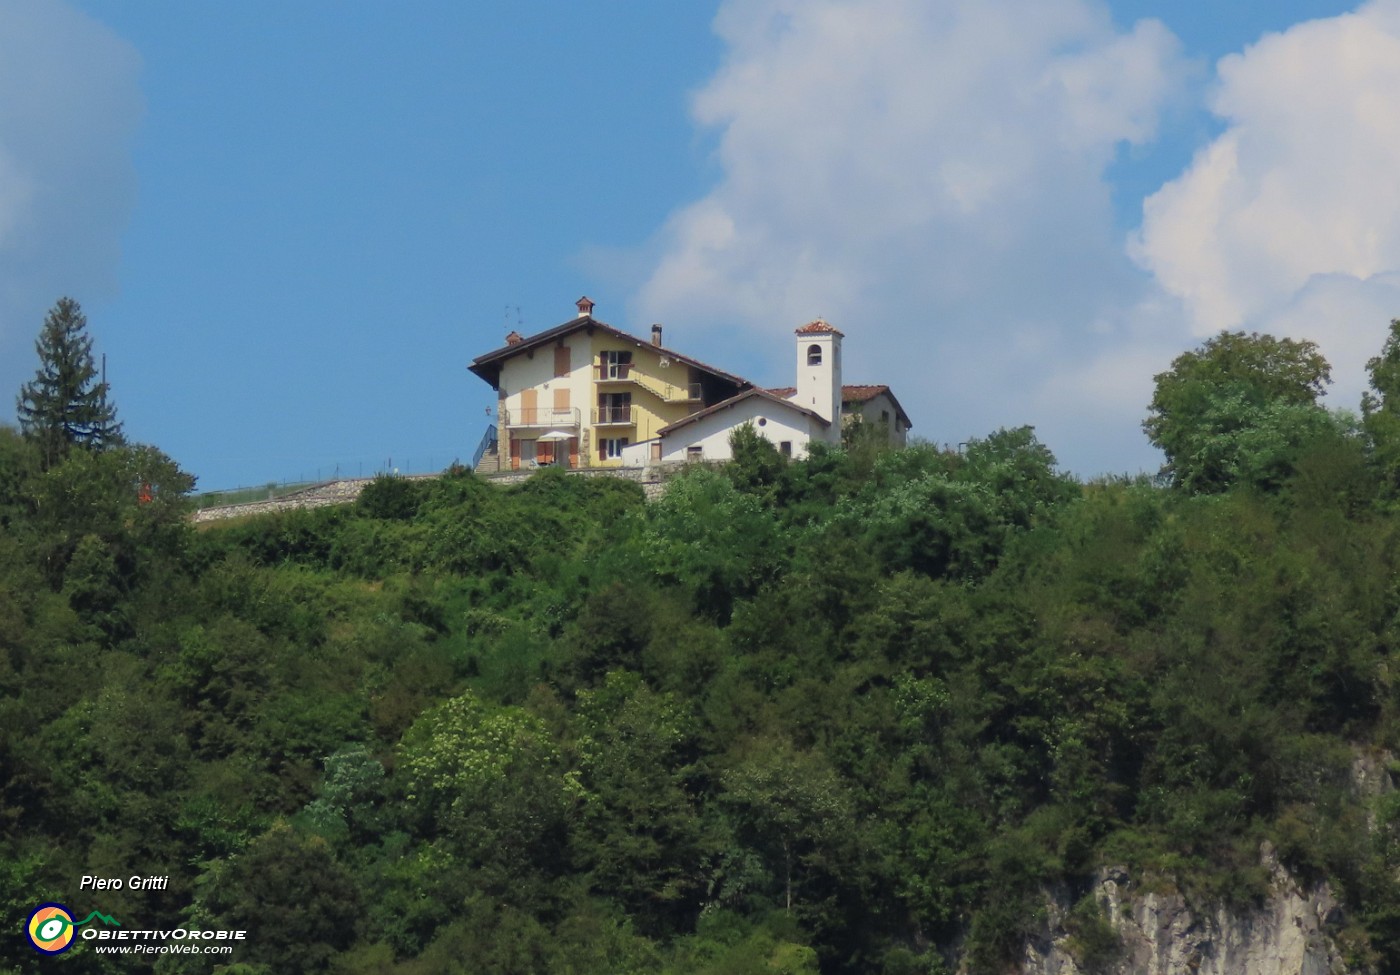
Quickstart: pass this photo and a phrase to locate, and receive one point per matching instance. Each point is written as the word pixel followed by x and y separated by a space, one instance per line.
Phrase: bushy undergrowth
pixel 850 714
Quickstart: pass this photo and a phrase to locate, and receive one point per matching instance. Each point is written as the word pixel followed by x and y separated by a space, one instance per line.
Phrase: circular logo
pixel 50 929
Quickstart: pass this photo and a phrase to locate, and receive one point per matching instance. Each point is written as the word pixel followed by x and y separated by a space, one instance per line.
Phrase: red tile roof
pixel 853 394
pixel 488 366
pixel 861 394
pixel 849 394
pixel 819 327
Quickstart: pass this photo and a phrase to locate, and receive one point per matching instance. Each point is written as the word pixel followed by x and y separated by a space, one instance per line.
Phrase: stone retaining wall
pixel 317 496
pixel 652 479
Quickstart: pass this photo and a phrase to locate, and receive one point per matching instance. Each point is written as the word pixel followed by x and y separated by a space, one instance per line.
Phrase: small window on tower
pixel 814 355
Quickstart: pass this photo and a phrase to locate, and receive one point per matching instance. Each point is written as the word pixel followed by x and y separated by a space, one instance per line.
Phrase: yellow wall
pixel 649 411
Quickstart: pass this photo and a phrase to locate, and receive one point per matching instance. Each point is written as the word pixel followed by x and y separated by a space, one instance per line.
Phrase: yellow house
pixel 580 393
pixel 585 394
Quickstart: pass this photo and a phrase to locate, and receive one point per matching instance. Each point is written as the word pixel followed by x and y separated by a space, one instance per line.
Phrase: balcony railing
pixel 622 373
pixel 486 445
pixel 612 414
pixel 543 416
pixel 612 371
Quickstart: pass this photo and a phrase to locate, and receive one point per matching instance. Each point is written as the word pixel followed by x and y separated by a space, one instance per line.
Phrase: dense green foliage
pixel 849 714
pixel 1239 410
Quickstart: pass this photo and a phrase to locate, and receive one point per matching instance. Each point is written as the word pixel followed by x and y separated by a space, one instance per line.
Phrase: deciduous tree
pixel 1237 410
pixel 1380 407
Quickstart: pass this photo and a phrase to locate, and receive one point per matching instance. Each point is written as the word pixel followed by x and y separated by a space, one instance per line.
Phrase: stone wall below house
pixel 653 480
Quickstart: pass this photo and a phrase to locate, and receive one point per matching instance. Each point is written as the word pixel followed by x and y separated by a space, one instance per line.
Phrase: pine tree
pixel 63 407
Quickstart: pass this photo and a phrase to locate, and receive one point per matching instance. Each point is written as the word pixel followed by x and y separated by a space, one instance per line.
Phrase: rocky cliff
pixel 1156 933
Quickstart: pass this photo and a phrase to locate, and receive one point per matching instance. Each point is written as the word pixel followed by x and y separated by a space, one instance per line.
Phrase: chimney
pixel 585 307
pixel 656 336
pixel 514 338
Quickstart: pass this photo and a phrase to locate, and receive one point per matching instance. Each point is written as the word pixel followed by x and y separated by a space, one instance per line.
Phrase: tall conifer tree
pixel 64 406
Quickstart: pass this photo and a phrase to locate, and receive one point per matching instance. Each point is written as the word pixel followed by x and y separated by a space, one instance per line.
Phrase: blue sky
pixel 292 225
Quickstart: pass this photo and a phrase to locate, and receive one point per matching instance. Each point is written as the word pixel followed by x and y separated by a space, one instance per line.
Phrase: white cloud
pixel 69 107
pixel 1289 221
pixel 929 176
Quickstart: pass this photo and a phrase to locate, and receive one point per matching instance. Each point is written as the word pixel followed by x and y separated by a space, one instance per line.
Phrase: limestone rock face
pixel 1161 934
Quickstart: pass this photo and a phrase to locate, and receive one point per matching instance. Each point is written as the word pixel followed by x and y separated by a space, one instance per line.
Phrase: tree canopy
pixel 65 405
pixel 1238 410
pixel 866 711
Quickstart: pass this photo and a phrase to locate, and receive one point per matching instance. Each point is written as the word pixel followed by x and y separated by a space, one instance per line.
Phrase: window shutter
pixel 514 454
pixel 573 452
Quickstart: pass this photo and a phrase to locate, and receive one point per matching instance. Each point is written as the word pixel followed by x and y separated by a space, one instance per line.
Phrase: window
pixel 814 355
pixel 616 365
pixel 610 448
pixel 885 417
pixel 694 453
pixel 785 448
pixel 614 408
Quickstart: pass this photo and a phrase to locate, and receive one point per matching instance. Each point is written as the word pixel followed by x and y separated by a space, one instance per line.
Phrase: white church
pixel 812 410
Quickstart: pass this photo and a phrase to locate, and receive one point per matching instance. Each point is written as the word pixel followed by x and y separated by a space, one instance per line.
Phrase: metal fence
pixel 487 444
pixel 312 477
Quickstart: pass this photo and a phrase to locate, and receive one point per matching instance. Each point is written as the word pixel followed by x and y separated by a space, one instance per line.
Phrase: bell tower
pixel 819 374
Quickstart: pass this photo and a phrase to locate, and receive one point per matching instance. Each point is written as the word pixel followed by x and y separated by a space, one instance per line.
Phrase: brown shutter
pixel 561 400
pixel 530 406
pixel 561 361
pixel 514 454
pixel 573 452
pixel 544 452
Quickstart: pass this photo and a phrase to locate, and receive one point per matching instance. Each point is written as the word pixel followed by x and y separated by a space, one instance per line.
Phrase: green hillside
pixel 851 714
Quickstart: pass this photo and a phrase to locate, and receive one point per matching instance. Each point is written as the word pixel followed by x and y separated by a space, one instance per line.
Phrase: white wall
pixel 637 454
pixel 819 386
pixel 536 372
pixel 711 433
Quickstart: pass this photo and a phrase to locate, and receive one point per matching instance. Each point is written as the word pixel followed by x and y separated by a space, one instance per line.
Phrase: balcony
pixel 622 372
pixel 566 418
pixel 612 372
pixel 612 416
